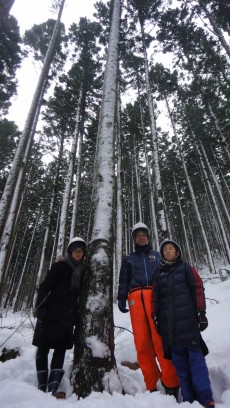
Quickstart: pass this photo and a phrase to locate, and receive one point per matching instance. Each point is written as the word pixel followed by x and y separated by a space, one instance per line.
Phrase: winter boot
pixel 172 391
pixel 42 380
pixel 54 380
pixel 209 405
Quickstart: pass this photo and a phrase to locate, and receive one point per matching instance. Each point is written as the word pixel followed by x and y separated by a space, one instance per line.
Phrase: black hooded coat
pixel 178 296
pixel 57 305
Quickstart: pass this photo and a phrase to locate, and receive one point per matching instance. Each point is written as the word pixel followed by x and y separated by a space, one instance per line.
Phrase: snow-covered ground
pixel 18 377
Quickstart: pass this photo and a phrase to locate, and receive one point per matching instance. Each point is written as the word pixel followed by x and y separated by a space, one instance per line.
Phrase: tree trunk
pixel 19 154
pixel 119 216
pixel 76 192
pixel 160 211
pixel 215 205
pixel 94 361
pixel 209 256
pixel 216 29
pixel 68 186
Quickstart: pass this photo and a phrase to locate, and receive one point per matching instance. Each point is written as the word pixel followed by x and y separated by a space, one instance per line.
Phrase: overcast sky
pixel 28 13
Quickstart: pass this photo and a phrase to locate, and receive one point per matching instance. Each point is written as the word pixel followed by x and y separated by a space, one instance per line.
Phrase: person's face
pixel 141 238
pixel 169 252
pixel 77 254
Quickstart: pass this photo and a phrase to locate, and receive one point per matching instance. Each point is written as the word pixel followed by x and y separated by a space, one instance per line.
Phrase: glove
pixel 122 305
pixel 156 322
pixel 202 320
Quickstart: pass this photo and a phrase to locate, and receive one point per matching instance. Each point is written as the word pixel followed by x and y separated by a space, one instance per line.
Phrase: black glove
pixel 156 322
pixel 122 305
pixel 202 320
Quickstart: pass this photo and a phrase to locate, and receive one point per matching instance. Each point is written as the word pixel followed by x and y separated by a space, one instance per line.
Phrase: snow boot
pixel 42 380
pixel 54 380
pixel 60 395
pixel 172 391
pixel 209 405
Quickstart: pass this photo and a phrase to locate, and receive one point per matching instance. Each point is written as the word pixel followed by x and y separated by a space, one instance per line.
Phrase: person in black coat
pixel 179 316
pixel 57 311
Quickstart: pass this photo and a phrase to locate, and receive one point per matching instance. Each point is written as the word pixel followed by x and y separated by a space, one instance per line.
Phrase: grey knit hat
pixel 169 241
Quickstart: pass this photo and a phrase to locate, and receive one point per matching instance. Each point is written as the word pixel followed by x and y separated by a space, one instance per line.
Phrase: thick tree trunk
pixel 94 360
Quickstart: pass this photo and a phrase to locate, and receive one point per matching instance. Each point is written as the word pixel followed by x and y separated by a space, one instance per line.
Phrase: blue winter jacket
pixel 137 270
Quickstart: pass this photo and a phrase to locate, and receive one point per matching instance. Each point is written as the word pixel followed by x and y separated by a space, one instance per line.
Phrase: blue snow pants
pixel 192 371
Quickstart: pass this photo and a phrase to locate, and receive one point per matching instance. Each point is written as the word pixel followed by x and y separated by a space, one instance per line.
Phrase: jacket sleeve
pixel 123 283
pixel 197 288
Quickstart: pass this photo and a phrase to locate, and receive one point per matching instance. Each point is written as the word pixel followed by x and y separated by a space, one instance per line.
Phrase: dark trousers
pixel 192 370
pixel 42 358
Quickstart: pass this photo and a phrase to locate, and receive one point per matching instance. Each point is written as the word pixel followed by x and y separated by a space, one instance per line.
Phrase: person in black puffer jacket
pixel 179 316
pixel 56 310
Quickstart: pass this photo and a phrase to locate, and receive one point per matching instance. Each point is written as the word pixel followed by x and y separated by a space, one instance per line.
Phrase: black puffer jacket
pixel 178 296
pixel 57 307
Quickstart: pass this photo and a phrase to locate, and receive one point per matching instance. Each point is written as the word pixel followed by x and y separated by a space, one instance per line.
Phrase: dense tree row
pixel 139 135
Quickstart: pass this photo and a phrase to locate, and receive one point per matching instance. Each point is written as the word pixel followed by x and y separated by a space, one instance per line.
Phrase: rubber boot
pixel 54 380
pixel 172 391
pixel 42 380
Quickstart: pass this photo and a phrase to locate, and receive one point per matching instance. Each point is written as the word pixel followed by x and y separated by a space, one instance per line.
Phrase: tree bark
pixel 94 361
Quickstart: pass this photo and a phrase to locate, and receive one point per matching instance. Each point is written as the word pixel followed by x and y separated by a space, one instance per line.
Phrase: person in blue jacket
pixel 135 285
pixel 179 316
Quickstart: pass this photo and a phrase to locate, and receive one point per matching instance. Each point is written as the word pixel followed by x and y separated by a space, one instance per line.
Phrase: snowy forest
pixel 128 122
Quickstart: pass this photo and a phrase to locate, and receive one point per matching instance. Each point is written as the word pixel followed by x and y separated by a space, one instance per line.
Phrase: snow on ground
pixel 18 376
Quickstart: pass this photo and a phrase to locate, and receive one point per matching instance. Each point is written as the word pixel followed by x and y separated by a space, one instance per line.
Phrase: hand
pixel 122 305
pixel 202 320
pixel 156 322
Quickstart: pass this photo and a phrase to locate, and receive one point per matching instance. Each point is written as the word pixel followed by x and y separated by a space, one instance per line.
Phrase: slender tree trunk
pixel 138 183
pixel 11 224
pixel 19 154
pixel 43 259
pixel 23 272
pixel 217 185
pixel 216 29
pixel 78 175
pixel 94 360
pixel 119 217
pixel 154 231
pixel 215 205
pixel 209 256
pixel 218 128
pixel 67 192
pixel 160 211
pixel 183 223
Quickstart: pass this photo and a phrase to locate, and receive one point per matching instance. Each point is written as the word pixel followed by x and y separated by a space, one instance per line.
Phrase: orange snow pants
pixel 147 341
